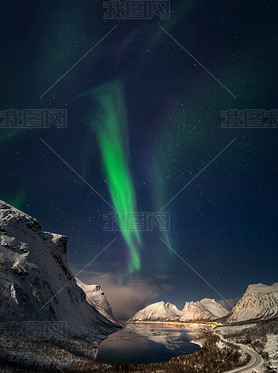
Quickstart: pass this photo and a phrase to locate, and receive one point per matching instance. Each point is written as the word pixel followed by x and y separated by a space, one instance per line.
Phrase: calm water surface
pixel 146 343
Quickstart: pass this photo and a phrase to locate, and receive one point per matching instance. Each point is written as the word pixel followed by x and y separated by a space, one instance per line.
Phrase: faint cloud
pixel 126 299
pixel 162 277
pixel 167 287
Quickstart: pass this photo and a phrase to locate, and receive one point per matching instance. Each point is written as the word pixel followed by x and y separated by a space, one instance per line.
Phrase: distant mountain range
pixel 259 302
pixel 36 283
pixel 204 310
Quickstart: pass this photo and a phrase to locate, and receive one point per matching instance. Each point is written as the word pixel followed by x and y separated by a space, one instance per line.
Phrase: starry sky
pixel 143 119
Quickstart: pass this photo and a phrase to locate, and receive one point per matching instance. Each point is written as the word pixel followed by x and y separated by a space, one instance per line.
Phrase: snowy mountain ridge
pixel 35 281
pixel 259 302
pixel 159 311
pixel 204 310
pixel 95 296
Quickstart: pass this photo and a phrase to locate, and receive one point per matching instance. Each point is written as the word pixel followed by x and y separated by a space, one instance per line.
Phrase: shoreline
pixel 176 323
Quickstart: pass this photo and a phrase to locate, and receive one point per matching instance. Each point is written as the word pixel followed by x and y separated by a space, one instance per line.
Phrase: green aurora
pixel 112 135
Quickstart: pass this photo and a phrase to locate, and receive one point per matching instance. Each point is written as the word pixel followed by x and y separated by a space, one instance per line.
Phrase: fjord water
pixel 146 343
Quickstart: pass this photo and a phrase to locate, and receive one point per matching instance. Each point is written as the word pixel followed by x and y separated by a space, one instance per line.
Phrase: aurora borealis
pixel 143 119
pixel 113 142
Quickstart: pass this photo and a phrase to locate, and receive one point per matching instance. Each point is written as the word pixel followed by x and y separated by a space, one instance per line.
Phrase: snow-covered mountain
pixel 35 281
pixel 259 302
pixel 159 311
pixel 204 310
pixel 95 296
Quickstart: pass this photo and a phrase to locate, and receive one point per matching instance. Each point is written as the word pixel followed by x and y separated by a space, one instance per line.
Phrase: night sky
pixel 143 119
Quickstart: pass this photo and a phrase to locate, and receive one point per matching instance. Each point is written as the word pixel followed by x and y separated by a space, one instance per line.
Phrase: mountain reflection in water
pixel 146 343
